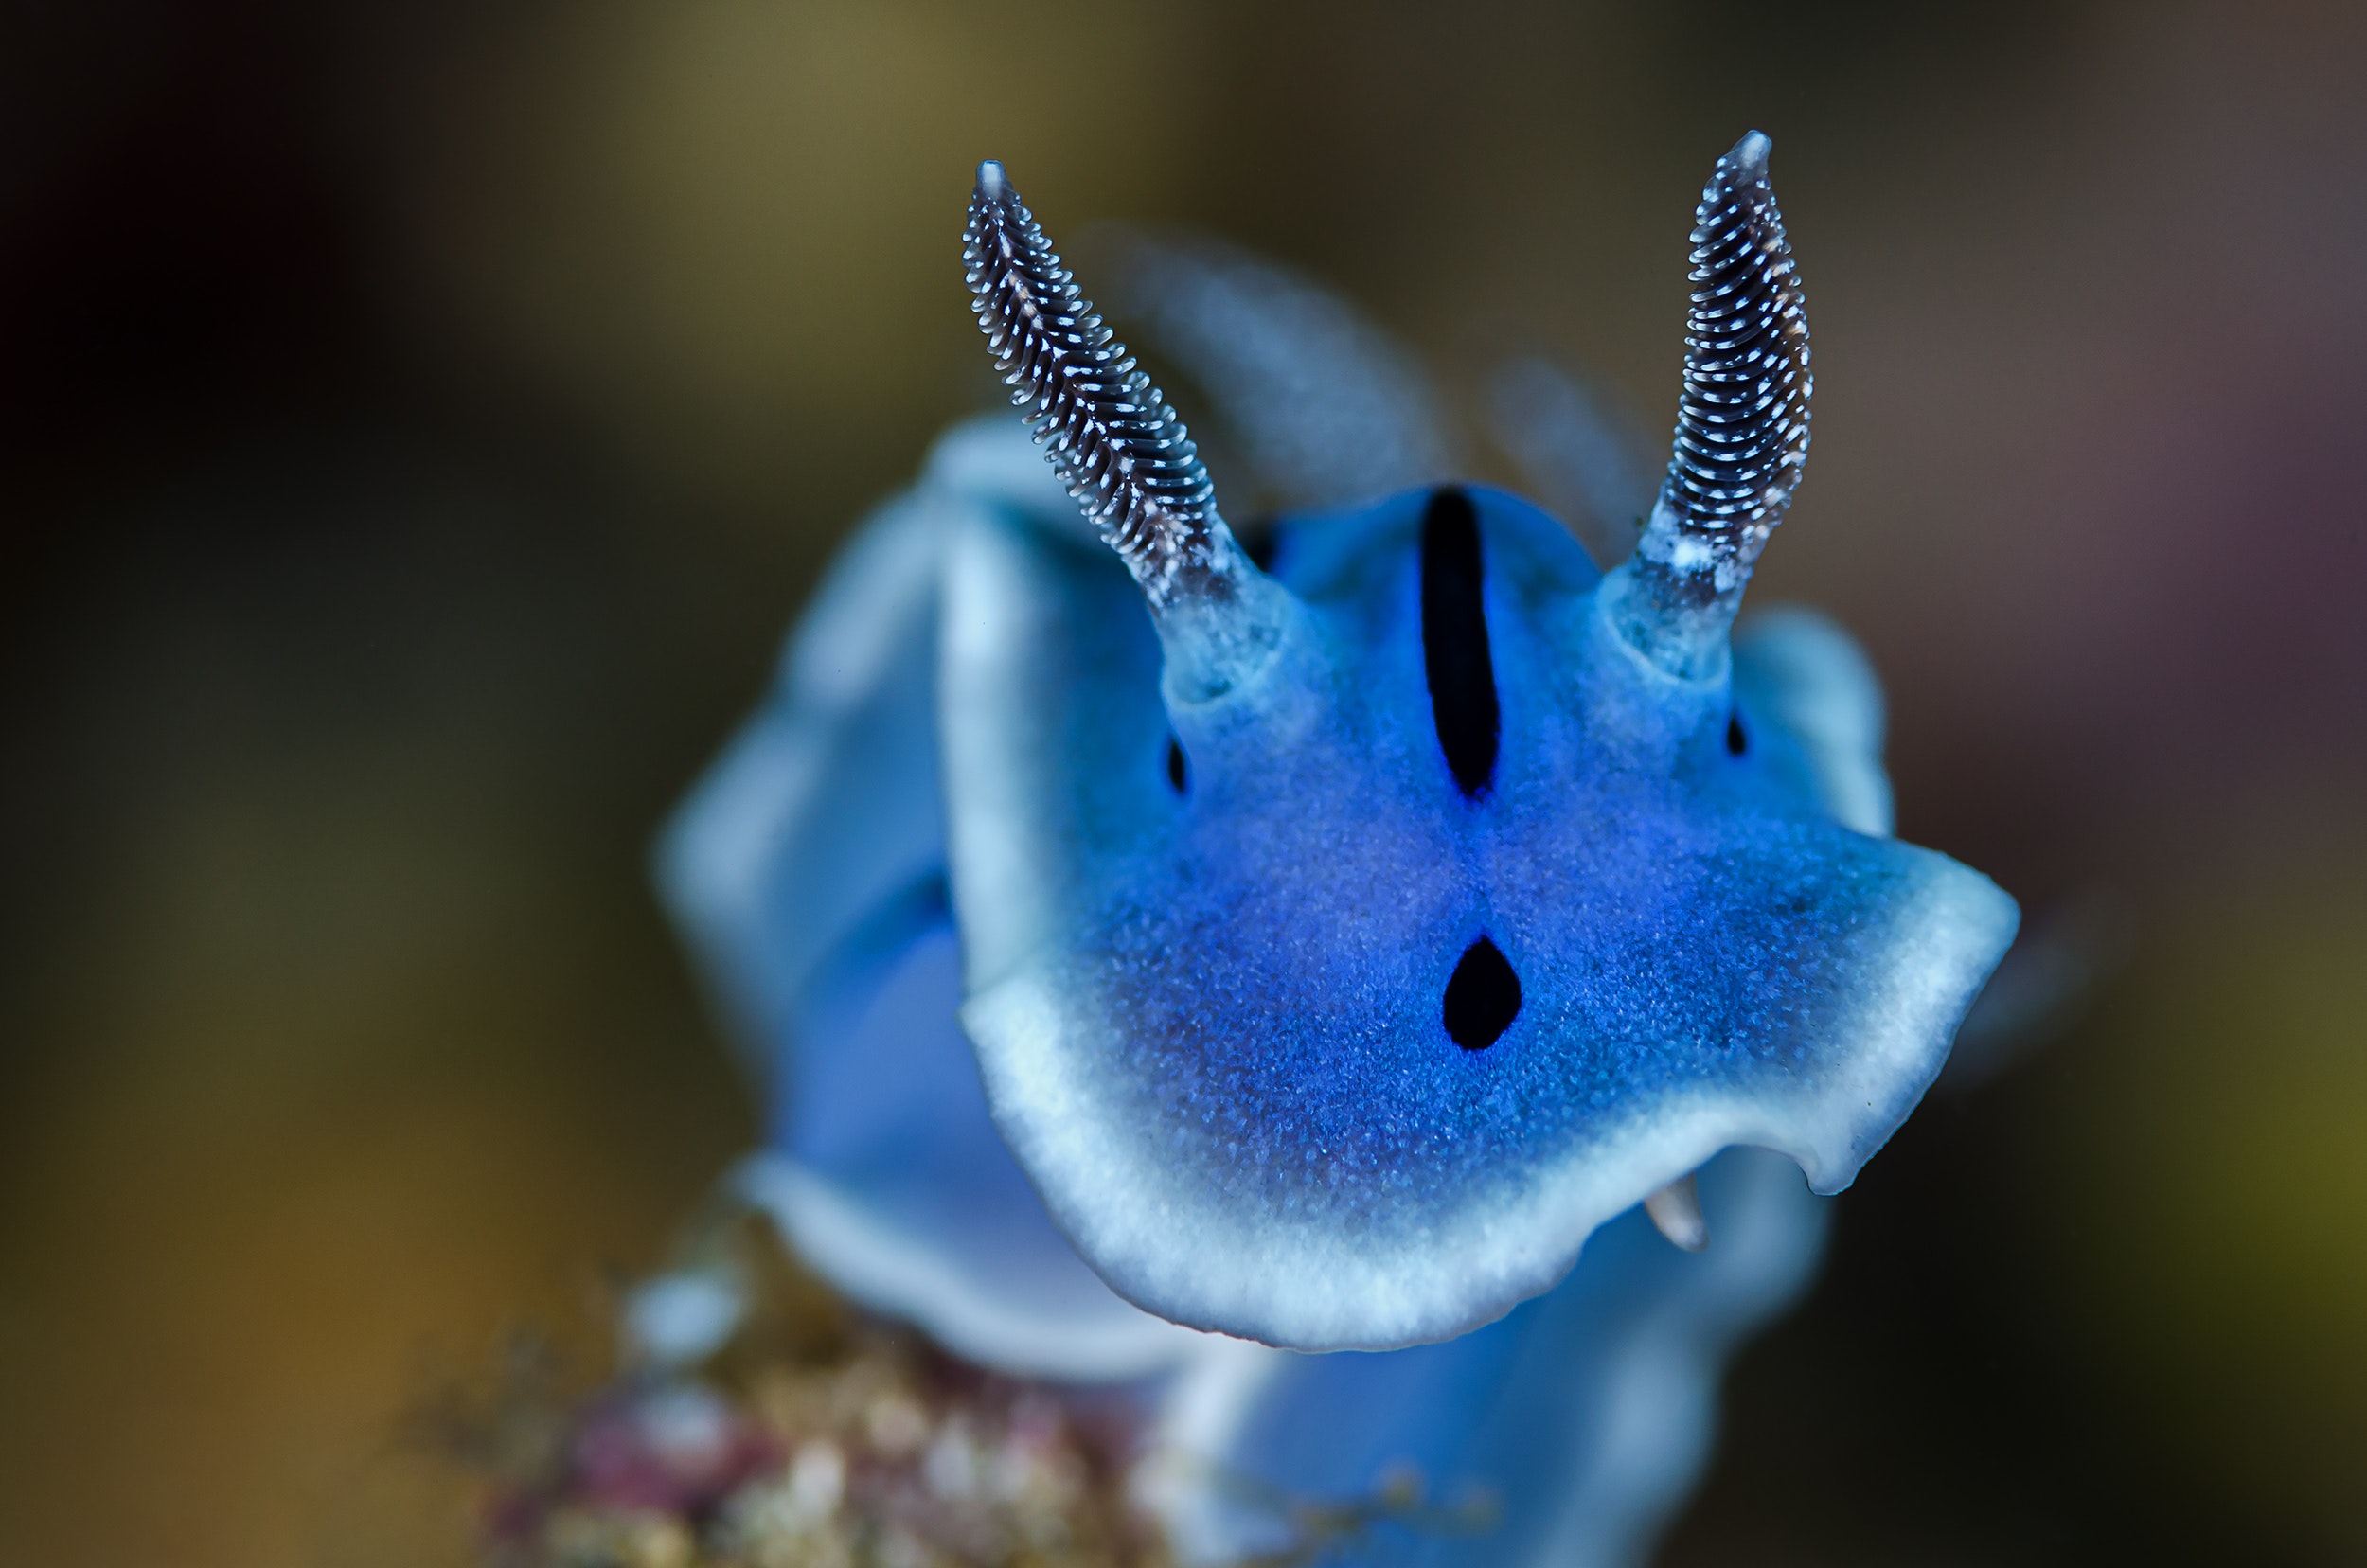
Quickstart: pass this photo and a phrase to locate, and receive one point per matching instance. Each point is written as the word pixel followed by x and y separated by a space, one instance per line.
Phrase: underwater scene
pixel 1505 787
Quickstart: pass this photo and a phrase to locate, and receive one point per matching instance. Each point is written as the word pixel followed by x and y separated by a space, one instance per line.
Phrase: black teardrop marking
pixel 1483 997
pixel 1178 772
pixel 1736 741
pixel 1454 641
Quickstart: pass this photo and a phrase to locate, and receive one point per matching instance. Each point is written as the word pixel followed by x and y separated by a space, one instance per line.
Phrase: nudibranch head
pixel 1349 939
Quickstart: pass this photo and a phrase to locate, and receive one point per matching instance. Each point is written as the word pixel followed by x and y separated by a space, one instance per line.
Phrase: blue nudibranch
pixel 1348 939
pixel 1329 953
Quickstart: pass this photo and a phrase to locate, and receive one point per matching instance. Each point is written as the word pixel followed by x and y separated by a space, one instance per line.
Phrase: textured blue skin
pixel 1676 915
pixel 1211 1026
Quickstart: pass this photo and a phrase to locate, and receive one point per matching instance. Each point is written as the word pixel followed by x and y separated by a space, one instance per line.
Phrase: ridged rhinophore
pixel 1742 427
pixel 1117 446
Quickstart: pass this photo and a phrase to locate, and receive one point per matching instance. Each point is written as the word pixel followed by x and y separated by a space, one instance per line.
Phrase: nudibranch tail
pixel 1742 425
pixel 1116 445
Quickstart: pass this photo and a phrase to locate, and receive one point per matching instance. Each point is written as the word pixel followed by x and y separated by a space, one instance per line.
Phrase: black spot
pixel 1454 641
pixel 1260 538
pixel 1178 772
pixel 1736 741
pixel 1483 997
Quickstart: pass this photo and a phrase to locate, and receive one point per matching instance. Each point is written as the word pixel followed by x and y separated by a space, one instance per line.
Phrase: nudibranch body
pixel 1346 938
pixel 1324 956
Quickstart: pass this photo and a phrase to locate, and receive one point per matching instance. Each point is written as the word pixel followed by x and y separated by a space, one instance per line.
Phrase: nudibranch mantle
pixel 1344 942
pixel 1211 1021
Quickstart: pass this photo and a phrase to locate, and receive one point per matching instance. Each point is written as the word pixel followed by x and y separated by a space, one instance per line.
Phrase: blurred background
pixel 419 423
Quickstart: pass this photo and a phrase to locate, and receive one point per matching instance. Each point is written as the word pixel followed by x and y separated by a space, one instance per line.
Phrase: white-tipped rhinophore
pixel 1118 447
pixel 1742 425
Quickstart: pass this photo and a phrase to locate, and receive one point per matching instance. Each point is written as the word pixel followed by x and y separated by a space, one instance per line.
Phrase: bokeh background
pixel 418 423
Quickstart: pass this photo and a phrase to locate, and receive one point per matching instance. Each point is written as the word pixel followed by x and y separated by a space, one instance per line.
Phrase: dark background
pixel 418 423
